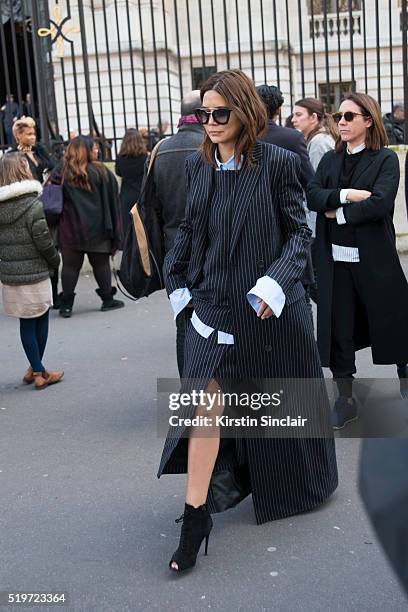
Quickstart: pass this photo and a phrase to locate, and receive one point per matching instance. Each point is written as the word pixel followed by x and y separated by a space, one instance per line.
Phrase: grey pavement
pixel 82 511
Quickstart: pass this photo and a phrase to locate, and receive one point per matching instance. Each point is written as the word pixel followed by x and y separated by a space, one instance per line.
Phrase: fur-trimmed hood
pixel 16 190
pixel 16 199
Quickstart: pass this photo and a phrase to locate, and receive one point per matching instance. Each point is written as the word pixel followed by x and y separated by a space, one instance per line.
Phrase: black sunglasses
pixel 219 115
pixel 348 116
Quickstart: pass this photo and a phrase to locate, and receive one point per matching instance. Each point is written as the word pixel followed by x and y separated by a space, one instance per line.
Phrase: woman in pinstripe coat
pixel 237 262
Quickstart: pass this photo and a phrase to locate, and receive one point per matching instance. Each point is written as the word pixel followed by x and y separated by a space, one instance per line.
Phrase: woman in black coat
pixel 90 222
pixel 363 293
pixel 130 165
pixel 237 261
pixel 39 161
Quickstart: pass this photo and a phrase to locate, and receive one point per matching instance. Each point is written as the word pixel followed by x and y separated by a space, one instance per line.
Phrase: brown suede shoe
pixel 29 376
pixel 43 379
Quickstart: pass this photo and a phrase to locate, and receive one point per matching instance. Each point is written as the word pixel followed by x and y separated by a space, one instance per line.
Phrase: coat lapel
pixel 365 162
pixel 203 189
pixel 335 169
pixel 248 178
pixel 202 179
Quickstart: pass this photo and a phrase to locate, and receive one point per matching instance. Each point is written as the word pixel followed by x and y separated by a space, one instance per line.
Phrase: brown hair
pixel 376 136
pixel 79 160
pixel 132 144
pixel 241 96
pixel 22 124
pixel 13 169
pixel 326 122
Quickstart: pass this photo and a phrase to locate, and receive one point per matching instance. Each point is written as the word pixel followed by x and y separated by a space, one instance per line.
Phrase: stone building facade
pixel 143 54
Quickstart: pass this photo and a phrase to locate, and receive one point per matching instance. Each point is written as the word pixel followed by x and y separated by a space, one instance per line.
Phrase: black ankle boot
pixel 108 303
pixel 67 302
pixel 56 301
pixel 197 525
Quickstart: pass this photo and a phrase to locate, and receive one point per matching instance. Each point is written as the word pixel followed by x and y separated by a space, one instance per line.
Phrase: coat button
pixel 260 263
pixel 268 348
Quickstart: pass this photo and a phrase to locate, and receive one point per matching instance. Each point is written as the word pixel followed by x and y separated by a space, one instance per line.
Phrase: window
pixel 319 6
pixel 200 75
pixel 336 93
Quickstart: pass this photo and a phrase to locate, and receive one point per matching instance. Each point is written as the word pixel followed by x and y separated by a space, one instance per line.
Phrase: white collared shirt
pixel 229 164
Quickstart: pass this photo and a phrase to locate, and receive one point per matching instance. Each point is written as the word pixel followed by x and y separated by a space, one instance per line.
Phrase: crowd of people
pixel 257 219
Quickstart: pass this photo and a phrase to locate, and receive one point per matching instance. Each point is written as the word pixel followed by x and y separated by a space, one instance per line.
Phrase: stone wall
pixel 400 215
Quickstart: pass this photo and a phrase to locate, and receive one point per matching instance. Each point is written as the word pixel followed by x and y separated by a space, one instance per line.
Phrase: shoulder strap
pixel 153 156
pixel 48 180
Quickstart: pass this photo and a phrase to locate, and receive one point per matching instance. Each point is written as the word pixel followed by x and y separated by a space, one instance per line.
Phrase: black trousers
pixel 347 307
pixel 346 304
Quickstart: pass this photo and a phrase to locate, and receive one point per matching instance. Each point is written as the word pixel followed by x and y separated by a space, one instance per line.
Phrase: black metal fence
pixel 101 66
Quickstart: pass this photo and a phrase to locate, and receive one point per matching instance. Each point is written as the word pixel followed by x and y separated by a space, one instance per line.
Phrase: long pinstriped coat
pixel 268 236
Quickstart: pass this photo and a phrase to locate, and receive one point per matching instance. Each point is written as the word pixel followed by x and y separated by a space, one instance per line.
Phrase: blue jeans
pixel 34 335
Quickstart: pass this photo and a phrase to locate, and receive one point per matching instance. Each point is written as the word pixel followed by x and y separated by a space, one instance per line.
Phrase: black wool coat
pixel 92 217
pixel 131 169
pixel 385 288
pixel 292 140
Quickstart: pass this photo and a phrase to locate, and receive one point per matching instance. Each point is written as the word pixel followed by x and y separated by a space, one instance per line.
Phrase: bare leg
pixel 203 446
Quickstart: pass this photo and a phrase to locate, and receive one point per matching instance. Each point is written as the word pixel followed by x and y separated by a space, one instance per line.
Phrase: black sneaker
pixel 344 411
pixel 403 381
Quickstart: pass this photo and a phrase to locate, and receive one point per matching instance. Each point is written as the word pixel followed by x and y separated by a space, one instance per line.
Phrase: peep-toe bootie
pixel 197 525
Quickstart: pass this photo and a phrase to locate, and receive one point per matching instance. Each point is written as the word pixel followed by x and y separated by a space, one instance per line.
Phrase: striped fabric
pixel 211 296
pixel 267 235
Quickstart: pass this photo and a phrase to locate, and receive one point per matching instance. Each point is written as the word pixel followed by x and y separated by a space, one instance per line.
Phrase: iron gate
pixel 101 66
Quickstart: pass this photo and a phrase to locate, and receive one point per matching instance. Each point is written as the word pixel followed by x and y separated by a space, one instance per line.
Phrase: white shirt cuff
pixel 224 338
pixel 270 292
pixel 341 220
pixel 343 195
pixel 179 300
pixel 204 330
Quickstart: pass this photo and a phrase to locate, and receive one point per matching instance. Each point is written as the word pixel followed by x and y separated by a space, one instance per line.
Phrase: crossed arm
pixel 359 205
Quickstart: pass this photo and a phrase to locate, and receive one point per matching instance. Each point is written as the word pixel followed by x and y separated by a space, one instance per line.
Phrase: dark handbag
pixel 229 487
pixel 141 266
pixel 53 201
